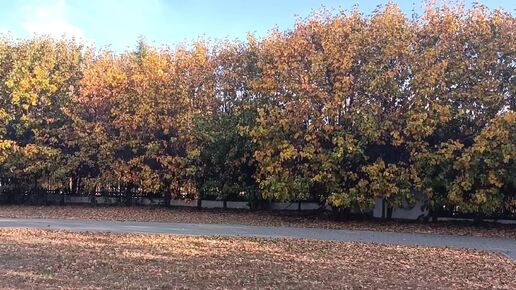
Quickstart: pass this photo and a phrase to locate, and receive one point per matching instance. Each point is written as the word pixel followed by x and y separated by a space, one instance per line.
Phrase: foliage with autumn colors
pixel 343 109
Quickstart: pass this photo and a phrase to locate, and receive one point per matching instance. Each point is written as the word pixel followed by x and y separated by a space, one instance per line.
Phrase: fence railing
pixel 62 197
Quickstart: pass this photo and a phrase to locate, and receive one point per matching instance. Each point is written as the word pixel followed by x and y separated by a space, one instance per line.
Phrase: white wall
pixel 406 212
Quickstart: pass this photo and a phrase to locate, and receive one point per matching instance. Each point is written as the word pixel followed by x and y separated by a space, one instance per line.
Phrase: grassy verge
pixel 45 259
pixel 261 218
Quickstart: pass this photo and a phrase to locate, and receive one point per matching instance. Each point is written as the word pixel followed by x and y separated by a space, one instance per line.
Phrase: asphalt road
pixel 505 246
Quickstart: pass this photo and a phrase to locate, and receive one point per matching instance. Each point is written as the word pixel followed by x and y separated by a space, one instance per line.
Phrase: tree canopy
pixel 343 109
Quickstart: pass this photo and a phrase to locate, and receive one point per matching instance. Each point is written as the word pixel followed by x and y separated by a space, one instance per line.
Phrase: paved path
pixel 506 246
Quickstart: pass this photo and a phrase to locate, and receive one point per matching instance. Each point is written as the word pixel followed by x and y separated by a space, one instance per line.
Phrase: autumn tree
pixel 226 161
pixel 38 78
pixel 135 114
pixel 345 109
pixel 462 80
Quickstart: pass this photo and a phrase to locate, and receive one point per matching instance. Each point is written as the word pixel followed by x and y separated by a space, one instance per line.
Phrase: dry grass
pixel 159 214
pixel 45 259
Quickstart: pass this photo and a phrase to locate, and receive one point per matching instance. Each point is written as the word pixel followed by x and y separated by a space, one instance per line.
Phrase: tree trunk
pixel 390 209
pixel 167 197
pixel 434 215
pixel 383 208
pixel 128 195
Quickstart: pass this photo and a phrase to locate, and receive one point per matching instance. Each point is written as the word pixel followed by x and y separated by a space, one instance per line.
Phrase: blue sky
pixel 119 23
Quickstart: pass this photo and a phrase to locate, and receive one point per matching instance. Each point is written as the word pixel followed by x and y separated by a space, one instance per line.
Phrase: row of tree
pixel 342 109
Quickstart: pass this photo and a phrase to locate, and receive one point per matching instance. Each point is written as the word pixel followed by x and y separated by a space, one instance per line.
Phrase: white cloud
pixel 50 19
